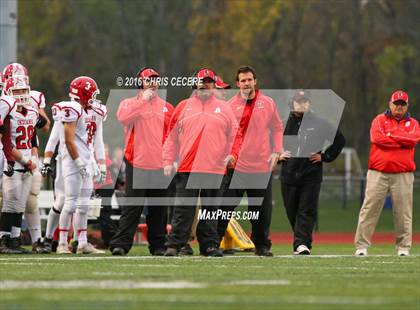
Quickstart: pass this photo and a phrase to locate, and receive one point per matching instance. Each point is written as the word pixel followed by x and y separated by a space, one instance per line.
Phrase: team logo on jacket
pixel 259 105
pixel 217 110
pixel 165 109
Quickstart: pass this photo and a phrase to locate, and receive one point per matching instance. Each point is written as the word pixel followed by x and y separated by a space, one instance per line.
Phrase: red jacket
pixel 393 143
pixel 201 135
pixel 145 124
pixel 262 132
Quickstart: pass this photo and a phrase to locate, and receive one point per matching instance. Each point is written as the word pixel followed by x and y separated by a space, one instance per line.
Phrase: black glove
pixel 9 169
pixel 46 170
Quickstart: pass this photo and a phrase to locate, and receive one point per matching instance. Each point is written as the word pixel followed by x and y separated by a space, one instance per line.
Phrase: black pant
pixel 208 187
pixel 108 228
pixel 240 185
pixel 143 187
pixel 301 203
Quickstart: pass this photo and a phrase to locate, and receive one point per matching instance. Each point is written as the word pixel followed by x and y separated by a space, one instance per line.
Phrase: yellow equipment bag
pixel 235 237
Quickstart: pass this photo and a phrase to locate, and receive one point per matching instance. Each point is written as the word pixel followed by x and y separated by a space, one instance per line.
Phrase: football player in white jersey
pixel 95 115
pixel 37 98
pixel 77 163
pixel 18 143
pixel 32 213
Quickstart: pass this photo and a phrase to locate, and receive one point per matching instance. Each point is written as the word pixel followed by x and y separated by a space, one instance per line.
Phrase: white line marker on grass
pixel 107 284
pixel 197 258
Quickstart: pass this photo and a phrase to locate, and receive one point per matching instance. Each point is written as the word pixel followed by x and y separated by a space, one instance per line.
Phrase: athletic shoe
pixel 361 252
pixel 229 252
pixel 54 246
pixel 39 247
pixel 403 253
pixel 4 246
pixel 212 252
pixel 88 249
pixel 158 252
pixel 302 250
pixel 63 249
pixel 118 252
pixel 263 251
pixel 14 243
pixel 186 250
pixel 48 244
pixel 171 252
pixel 73 246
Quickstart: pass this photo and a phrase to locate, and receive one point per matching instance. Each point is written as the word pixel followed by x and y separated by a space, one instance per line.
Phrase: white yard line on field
pixel 105 284
pixel 62 258
pixel 157 298
pixel 127 284
pixel 258 282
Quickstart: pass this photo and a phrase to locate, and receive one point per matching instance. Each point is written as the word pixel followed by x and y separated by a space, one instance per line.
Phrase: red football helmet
pixel 14 69
pixel 84 89
pixel 18 88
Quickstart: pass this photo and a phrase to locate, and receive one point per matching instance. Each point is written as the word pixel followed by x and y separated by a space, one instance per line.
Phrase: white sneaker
pixel 88 248
pixel 361 252
pixel 302 250
pixel 63 249
pixel 403 252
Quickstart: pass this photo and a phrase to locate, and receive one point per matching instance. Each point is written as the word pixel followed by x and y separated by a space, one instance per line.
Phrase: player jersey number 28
pixel 24 137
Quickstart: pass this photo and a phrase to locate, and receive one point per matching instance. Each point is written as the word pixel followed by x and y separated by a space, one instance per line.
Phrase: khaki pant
pixel 378 184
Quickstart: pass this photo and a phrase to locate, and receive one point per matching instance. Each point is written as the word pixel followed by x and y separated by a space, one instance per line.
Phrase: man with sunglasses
pixel 393 135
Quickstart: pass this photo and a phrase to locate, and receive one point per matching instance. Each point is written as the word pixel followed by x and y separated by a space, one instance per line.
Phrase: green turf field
pixel 333 217
pixel 243 281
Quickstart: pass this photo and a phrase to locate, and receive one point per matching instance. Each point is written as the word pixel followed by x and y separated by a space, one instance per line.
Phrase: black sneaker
pixel 186 250
pixel 212 252
pixel 39 247
pixel 54 246
pixel 48 244
pixel 118 252
pixel 158 252
pixel 14 243
pixel 263 251
pixel 229 252
pixel 73 246
pixel 171 252
pixel 4 246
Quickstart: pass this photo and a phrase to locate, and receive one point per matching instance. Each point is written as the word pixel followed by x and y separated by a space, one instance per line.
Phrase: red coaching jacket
pixel 145 124
pixel 262 132
pixel 393 143
pixel 201 135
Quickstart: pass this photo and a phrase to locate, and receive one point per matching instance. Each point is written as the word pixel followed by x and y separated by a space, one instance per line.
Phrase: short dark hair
pixel 245 69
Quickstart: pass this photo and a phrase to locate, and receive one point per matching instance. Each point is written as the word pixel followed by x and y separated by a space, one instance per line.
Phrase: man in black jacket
pixel 301 173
